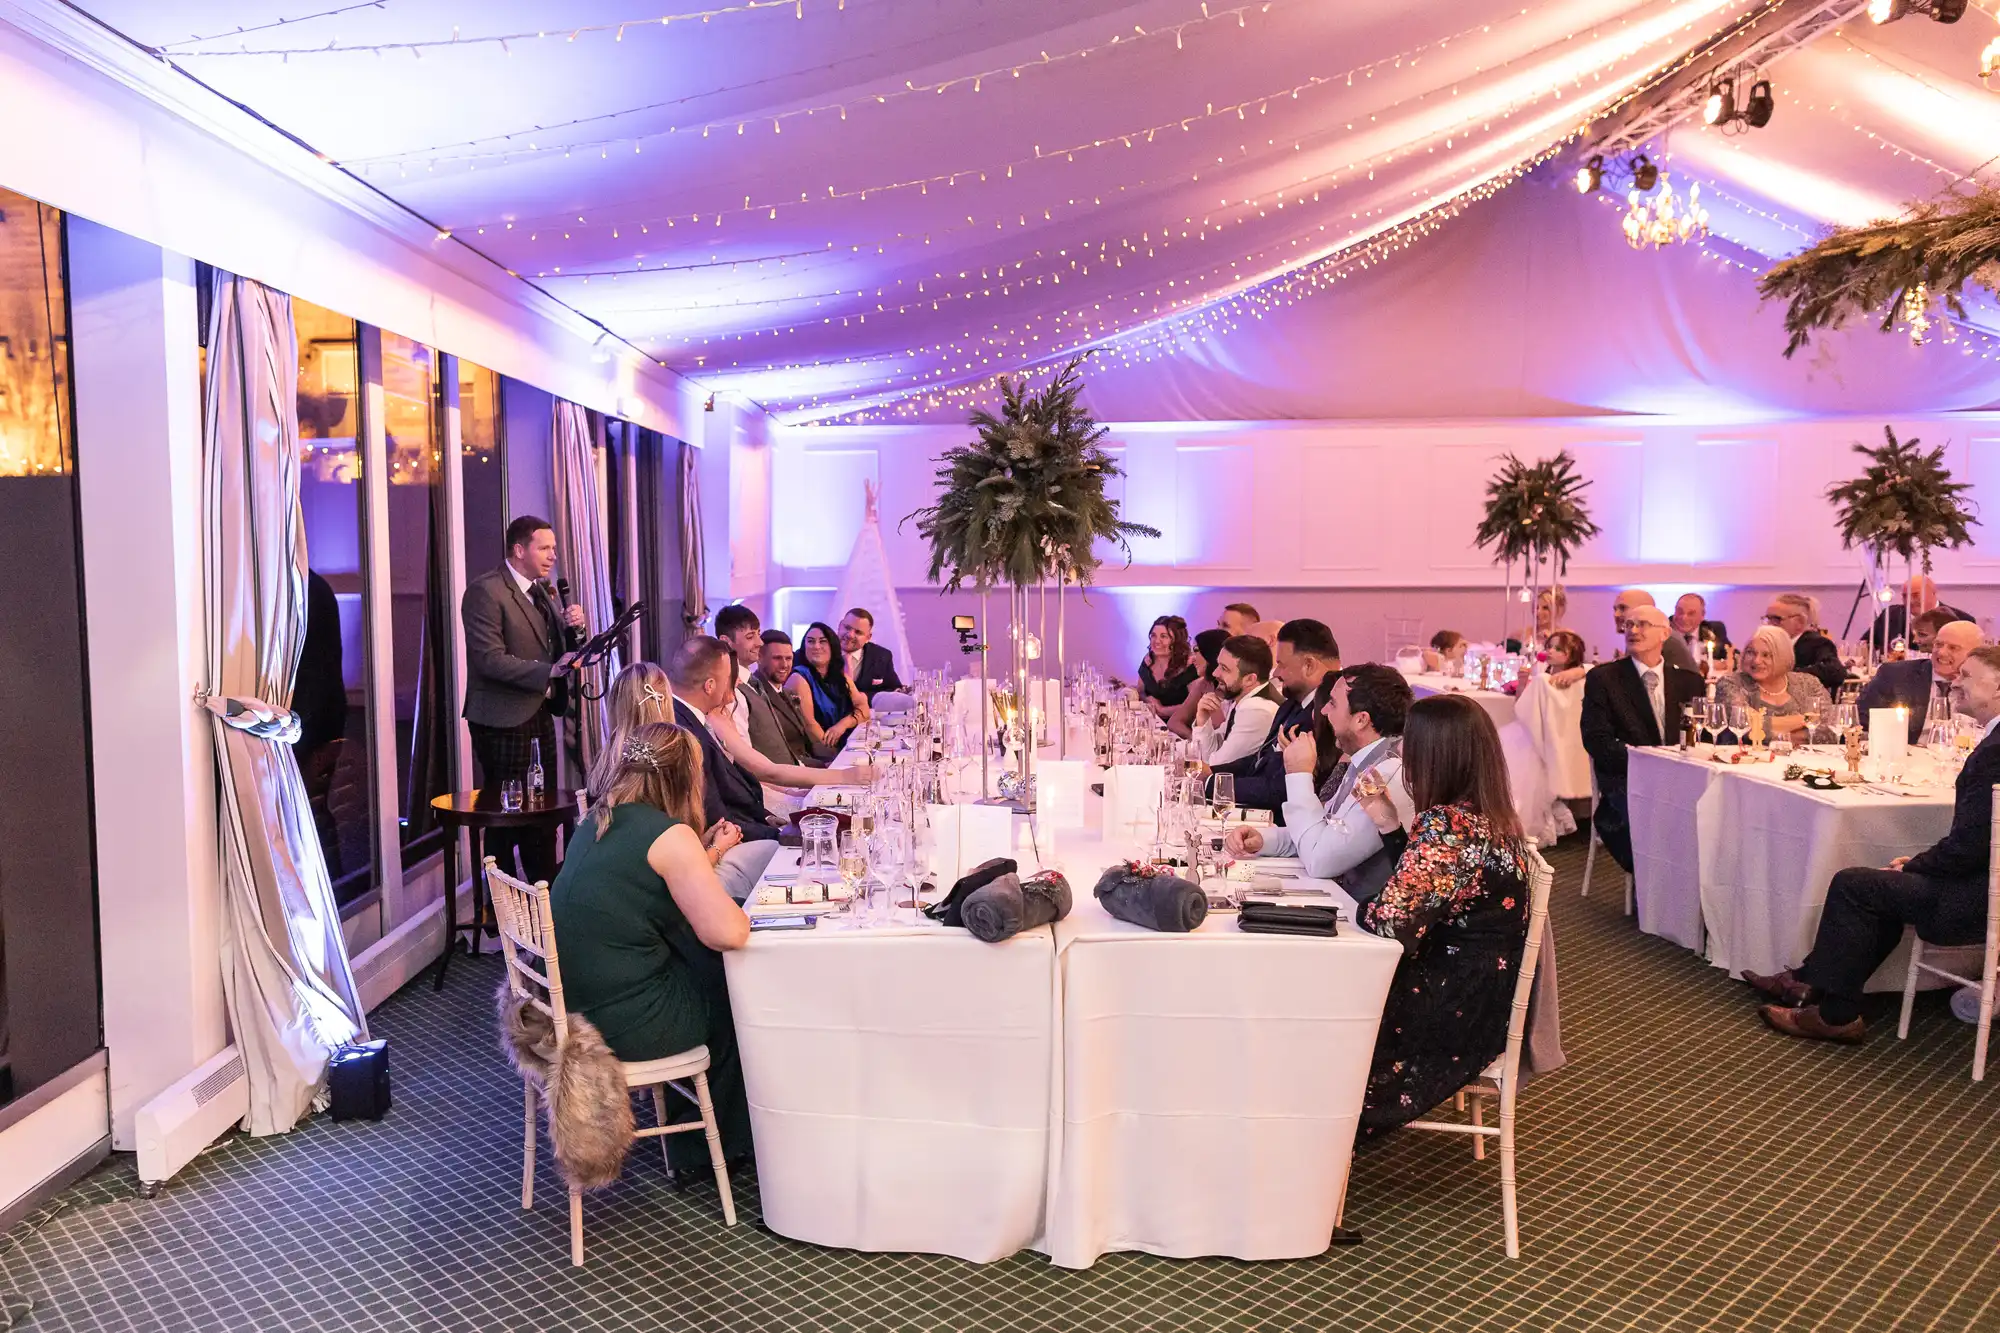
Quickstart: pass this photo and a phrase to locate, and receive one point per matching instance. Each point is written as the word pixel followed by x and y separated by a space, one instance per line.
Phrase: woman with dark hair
pixel 1458 903
pixel 1166 671
pixel 641 920
pixel 1180 719
pixel 831 706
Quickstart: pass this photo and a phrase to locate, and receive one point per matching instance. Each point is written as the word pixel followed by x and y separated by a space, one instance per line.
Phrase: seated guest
pixel 1458 904
pixel 771 713
pixel 1941 891
pixel 1768 685
pixel 1233 721
pixel 1913 684
pixel 639 694
pixel 1637 700
pixel 830 706
pixel 738 628
pixel 1705 638
pixel 1563 659
pixel 1448 648
pixel 1677 653
pixel 1202 657
pixel 641 919
pixel 1924 628
pixel 1237 618
pixel 1812 652
pixel 1267 630
pixel 1922 594
pixel 871 668
pixel 782 782
pixel 704 682
pixel 1303 668
pixel 1167 669
pixel 1551 605
pixel 1335 838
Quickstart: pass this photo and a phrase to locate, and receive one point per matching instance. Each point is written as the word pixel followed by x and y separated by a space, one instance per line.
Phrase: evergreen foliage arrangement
pixel 1904 502
pixel 1536 510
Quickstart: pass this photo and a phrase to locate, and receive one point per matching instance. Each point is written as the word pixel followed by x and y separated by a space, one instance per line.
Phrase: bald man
pixel 1677 651
pixel 1912 684
pixel 1892 622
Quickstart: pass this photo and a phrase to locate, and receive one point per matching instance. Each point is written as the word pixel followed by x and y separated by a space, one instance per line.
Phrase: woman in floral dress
pixel 1458 904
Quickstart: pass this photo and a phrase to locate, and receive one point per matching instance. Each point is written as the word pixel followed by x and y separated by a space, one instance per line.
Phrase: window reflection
pixel 418 600
pixel 331 695
pixel 34 342
pixel 484 482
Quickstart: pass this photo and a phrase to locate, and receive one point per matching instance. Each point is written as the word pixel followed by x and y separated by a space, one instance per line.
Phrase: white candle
pixel 1888 734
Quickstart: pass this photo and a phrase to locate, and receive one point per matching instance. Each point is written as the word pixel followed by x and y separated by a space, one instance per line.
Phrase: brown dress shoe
pixel 1784 987
pixel 1806 1022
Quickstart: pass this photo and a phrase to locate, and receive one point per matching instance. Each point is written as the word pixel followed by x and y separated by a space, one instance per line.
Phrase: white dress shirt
pixel 739 708
pixel 521 581
pixel 1243 731
pixel 1332 838
pixel 853 661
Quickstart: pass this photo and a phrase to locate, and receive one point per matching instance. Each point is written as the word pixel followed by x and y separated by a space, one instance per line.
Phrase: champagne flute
pixel 1224 796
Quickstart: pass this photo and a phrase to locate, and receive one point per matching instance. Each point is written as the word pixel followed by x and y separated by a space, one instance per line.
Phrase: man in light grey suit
pixel 516 674
pixel 1336 839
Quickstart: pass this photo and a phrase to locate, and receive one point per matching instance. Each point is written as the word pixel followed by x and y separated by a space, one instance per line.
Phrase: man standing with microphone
pixel 518 641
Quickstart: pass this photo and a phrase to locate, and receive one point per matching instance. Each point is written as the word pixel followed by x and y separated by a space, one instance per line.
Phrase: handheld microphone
pixel 571 633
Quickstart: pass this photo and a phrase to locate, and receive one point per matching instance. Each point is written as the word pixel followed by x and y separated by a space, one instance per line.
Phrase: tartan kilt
pixel 503 753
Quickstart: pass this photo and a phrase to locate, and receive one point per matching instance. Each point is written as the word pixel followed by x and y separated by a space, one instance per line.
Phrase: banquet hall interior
pixel 1170 664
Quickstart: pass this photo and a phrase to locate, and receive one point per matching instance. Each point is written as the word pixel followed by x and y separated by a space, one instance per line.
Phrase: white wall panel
pixel 1983 471
pixel 1215 510
pixel 1338 528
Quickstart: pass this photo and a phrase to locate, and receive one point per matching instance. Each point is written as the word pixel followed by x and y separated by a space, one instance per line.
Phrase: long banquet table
pixel 1734 861
pixel 1079 1089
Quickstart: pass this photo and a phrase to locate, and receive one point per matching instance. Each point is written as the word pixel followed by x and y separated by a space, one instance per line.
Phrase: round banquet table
pixel 1498 706
pixel 477 811
pixel 1079 1089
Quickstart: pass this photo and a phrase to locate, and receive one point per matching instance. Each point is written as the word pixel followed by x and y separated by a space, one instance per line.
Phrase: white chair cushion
pixel 646 1073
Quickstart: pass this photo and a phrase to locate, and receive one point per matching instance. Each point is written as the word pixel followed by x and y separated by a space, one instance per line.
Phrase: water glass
pixel 818 861
pixel 510 794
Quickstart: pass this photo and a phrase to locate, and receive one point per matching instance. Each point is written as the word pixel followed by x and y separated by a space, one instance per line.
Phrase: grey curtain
pixel 285 975
pixel 584 556
pixel 694 589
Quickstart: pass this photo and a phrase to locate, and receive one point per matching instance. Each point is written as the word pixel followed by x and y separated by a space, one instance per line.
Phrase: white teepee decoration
pixel 866 583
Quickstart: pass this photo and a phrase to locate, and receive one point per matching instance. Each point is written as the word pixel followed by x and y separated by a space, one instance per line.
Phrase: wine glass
pixel 1698 716
pixel 1739 723
pixel 1223 795
pixel 1810 711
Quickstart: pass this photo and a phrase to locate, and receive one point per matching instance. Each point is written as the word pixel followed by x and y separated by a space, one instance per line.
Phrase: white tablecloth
pixel 1498 706
pixel 900 1083
pixel 1740 852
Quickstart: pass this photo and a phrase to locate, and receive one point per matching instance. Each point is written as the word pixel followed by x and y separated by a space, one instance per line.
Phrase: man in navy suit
pixel 1914 683
pixel 870 666
pixel 1941 891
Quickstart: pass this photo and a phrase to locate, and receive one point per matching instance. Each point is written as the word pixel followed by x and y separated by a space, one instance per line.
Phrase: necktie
pixel 1653 697
pixel 1335 783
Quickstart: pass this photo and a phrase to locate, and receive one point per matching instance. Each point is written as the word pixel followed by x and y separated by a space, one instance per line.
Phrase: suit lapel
pixel 525 605
pixel 1635 694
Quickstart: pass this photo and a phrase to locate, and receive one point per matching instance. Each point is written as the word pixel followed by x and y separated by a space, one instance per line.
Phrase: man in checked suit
pixel 516 674
pixel 1640 699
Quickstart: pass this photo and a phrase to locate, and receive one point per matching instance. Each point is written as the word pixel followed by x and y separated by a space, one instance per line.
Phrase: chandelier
pixel 1660 219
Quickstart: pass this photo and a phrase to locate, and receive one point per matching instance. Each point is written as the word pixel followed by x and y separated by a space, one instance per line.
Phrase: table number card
pixel 962 836
pixel 1132 802
pixel 1059 788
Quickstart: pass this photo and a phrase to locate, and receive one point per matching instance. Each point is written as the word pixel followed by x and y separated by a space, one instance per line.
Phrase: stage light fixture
pixel 1887 11
pixel 1590 175
pixel 1720 108
pixel 1757 107
pixel 1644 174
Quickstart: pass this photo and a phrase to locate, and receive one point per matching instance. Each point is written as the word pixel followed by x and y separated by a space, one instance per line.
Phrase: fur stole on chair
pixel 583 1088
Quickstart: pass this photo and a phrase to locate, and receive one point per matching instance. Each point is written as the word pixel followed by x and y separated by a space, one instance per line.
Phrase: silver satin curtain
pixel 583 554
pixel 694 583
pixel 286 980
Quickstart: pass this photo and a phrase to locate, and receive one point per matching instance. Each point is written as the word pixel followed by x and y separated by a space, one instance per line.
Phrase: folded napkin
pixel 1008 905
pixel 950 911
pixel 1153 898
pixel 1289 919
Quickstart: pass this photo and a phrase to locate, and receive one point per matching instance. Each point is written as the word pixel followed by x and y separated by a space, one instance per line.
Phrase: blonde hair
pixel 638 695
pixel 658 764
pixel 1775 642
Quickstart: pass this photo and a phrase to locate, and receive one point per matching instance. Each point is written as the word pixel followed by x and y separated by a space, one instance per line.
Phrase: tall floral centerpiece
pixel 1021 505
pixel 1535 513
pixel 1904 504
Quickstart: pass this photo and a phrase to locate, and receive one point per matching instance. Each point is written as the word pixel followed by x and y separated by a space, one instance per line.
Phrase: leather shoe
pixel 1784 987
pixel 1806 1022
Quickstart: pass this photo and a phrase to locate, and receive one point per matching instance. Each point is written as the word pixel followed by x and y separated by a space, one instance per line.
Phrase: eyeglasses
pixel 1770 619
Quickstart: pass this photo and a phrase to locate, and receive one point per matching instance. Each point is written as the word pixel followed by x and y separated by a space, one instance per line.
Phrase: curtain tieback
pixel 266 721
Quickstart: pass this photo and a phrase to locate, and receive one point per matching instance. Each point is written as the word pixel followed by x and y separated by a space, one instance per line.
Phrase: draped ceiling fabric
pixel 832 206
pixel 583 555
pixel 285 974
pixel 694 574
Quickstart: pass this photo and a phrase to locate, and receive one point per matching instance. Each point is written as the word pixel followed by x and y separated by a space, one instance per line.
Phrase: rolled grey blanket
pixel 1004 907
pixel 1153 898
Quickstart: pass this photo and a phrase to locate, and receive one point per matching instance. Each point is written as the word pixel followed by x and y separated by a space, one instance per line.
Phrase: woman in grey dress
pixel 1768 685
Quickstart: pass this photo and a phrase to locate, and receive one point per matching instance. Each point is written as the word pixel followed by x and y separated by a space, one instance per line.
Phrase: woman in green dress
pixel 640 921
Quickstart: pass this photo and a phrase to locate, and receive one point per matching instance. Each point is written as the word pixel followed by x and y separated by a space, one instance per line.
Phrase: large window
pixel 331 695
pixel 484 470
pixel 49 1014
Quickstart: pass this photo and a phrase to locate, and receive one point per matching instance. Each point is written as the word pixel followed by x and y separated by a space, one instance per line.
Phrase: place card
pixel 962 836
pixel 1132 802
pixel 1059 789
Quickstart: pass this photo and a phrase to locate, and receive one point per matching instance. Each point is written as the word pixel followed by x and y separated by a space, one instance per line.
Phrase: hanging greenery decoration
pixel 1904 502
pixel 1933 250
pixel 1025 500
pixel 1536 511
